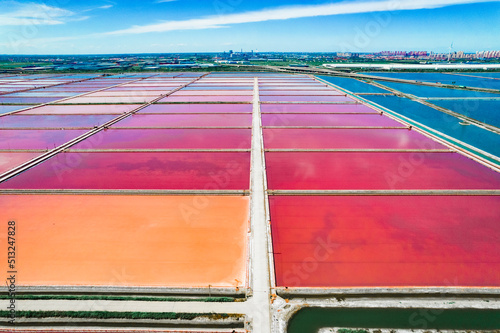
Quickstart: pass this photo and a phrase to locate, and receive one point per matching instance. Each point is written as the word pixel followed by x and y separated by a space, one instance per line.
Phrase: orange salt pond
pixel 127 240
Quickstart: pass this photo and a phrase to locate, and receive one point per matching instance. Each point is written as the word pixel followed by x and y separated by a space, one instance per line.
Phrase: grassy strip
pixel 117 315
pixel 119 298
pixel 348 330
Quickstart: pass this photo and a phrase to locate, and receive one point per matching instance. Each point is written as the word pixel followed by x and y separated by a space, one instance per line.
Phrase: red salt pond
pixel 386 241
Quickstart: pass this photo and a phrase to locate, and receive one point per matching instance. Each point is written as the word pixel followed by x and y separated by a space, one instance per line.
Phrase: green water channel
pixel 310 320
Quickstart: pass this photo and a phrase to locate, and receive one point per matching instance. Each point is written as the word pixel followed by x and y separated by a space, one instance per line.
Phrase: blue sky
pixel 157 26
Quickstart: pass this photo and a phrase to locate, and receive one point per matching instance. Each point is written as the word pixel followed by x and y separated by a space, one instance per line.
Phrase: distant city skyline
pixel 183 26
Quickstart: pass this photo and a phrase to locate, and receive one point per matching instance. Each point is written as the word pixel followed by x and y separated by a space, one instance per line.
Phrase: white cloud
pixel 99 7
pixel 286 13
pixel 79 18
pixel 162 1
pixel 17 14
